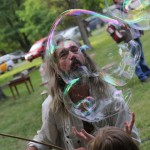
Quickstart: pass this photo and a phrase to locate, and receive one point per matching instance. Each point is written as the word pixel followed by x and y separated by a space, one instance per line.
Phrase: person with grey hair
pixel 69 62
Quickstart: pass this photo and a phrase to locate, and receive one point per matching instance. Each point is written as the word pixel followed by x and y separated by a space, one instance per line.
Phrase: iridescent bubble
pixel 86 106
pixel 90 93
pixel 91 106
pixel 116 68
pixel 69 13
pixel 129 55
pixel 133 12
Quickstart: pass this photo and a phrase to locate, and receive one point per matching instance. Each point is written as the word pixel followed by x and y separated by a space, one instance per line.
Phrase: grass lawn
pixel 22 116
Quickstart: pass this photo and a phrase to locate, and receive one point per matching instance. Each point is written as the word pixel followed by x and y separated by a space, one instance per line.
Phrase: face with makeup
pixel 69 56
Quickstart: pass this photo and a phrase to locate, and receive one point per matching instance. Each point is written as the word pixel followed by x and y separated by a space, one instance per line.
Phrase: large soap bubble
pixel 117 59
pixel 89 93
pixel 98 103
pixel 134 12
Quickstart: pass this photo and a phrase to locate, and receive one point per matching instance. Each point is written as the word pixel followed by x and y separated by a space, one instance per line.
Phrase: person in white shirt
pixel 57 121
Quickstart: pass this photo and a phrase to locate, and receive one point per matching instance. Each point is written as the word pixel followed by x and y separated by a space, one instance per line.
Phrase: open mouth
pixel 75 64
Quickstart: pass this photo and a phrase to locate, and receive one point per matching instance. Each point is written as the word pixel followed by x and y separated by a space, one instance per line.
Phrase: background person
pixel 142 70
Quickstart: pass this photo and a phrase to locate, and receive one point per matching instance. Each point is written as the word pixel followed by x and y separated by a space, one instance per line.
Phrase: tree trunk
pixel 27 42
pixel 83 32
pixel 84 35
pixel 21 38
pixel 2 52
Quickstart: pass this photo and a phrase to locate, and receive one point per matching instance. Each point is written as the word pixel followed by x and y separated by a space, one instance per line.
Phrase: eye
pixel 63 54
pixel 74 49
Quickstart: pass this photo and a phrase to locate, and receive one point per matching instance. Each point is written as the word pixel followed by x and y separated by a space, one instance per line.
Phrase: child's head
pixel 112 138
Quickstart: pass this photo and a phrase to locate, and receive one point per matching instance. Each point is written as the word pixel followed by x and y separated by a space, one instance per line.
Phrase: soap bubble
pixel 90 93
pixel 124 71
pixel 133 12
pixel 117 57
pixel 91 106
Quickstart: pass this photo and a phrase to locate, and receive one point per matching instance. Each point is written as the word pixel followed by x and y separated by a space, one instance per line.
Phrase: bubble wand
pixel 26 139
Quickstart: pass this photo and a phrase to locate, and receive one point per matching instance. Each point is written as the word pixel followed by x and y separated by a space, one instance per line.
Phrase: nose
pixel 71 55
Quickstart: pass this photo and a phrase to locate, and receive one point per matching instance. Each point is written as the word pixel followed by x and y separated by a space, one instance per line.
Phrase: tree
pixel 94 5
pixel 25 21
pixel 38 17
pixel 73 4
pixel 10 25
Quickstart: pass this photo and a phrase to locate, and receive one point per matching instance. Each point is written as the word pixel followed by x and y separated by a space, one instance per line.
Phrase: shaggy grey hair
pixel 56 84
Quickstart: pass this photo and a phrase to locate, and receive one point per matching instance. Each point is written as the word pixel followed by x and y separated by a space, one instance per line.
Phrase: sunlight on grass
pixel 24 65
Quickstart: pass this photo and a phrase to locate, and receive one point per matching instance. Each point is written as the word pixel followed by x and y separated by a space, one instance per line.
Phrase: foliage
pixel 91 5
pixel 25 21
pixel 10 25
pixel 38 17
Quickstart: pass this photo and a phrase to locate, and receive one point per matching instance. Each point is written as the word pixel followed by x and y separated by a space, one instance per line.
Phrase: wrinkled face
pixel 69 56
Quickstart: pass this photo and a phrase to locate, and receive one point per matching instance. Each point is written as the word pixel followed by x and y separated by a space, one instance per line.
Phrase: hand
pixel 129 125
pixel 83 135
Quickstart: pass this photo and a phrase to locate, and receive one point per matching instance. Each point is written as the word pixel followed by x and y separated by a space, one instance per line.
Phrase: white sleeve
pixel 48 132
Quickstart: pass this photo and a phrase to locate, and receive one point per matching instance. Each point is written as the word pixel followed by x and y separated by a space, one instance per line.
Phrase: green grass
pixel 22 116
pixel 25 65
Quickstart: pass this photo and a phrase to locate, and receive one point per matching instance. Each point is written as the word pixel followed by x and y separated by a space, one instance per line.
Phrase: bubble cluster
pixel 122 60
pixel 116 65
pixel 136 13
pixel 91 107
pixel 73 12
